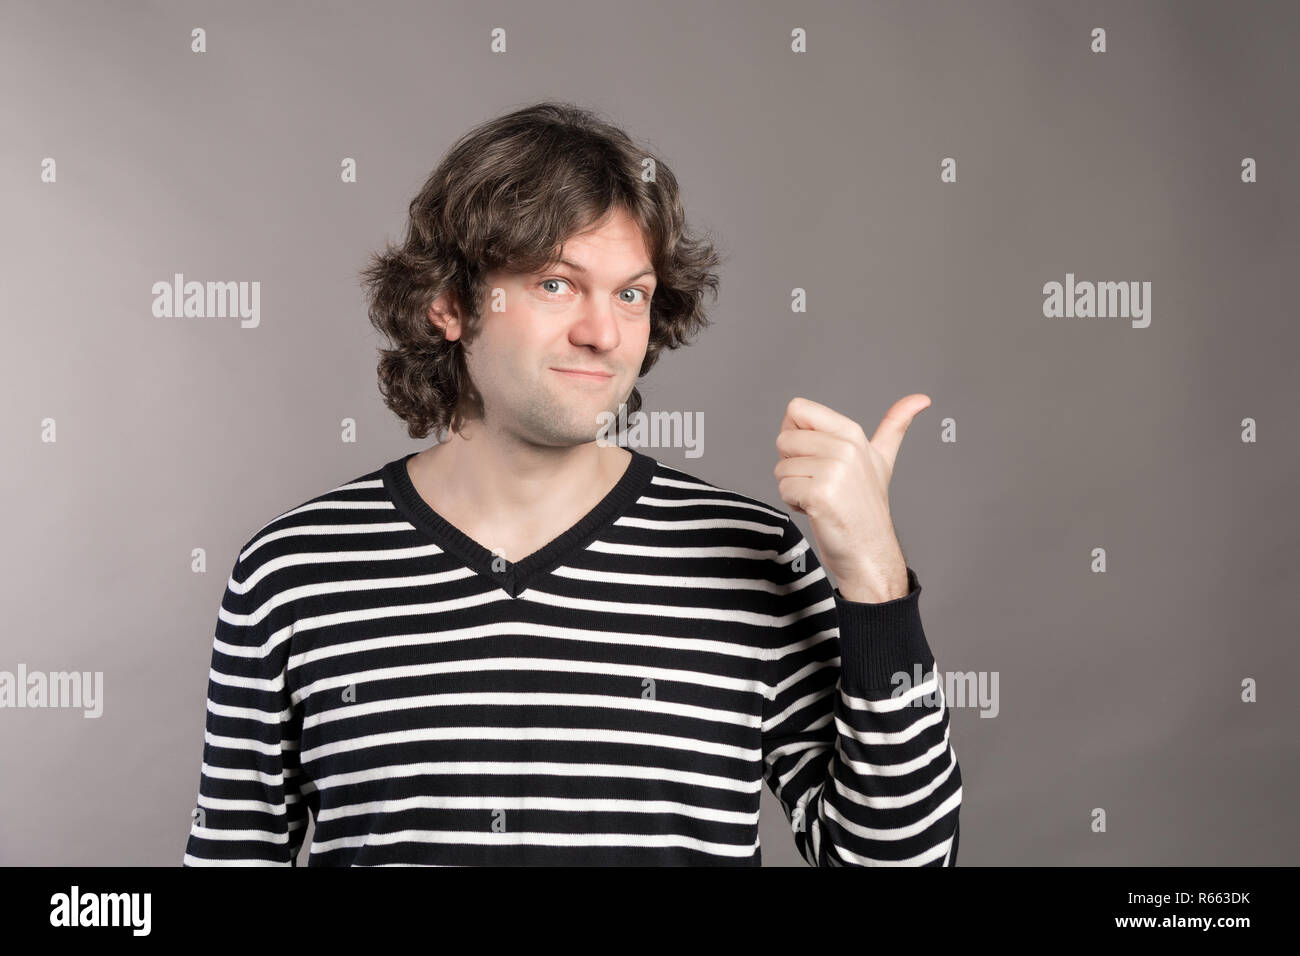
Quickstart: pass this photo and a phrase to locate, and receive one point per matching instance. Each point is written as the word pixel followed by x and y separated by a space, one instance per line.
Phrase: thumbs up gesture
pixel 831 472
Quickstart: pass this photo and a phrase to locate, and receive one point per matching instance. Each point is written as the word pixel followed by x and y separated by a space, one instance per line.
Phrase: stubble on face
pixel 538 409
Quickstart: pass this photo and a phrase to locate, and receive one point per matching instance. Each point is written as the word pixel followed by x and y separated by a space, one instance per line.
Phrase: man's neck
pixel 517 497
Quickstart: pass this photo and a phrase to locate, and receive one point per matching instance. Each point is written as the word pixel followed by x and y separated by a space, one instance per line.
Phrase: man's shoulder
pixel 687 489
pixel 752 539
pixel 362 498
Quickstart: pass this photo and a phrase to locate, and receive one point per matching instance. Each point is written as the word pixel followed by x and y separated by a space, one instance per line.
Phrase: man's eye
pixel 645 296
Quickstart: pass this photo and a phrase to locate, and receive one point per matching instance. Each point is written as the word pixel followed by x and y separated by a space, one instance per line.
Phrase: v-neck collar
pixel 515 577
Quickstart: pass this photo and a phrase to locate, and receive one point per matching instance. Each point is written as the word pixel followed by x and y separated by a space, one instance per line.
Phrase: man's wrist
pixel 876 588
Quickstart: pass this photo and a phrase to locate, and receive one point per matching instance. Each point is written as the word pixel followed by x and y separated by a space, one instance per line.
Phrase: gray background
pixel 1118 690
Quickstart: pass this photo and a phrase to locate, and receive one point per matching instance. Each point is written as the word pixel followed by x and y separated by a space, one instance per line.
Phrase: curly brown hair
pixel 506 196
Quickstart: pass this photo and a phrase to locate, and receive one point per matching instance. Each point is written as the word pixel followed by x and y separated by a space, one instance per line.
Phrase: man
pixel 528 645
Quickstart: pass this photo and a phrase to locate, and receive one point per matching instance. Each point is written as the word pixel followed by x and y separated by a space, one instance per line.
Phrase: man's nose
pixel 597 327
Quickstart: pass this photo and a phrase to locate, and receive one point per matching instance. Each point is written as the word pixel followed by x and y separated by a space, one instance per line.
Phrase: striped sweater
pixel 618 697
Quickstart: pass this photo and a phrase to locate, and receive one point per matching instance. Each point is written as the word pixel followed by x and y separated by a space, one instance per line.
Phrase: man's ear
pixel 445 315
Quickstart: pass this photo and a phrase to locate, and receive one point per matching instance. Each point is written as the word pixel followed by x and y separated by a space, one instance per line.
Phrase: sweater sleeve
pixel 249 810
pixel 859 759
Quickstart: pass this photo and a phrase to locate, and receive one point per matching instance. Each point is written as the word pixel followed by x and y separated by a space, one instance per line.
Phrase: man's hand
pixel 831 473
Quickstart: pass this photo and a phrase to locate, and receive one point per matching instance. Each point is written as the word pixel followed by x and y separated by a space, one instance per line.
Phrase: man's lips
pixel 583 373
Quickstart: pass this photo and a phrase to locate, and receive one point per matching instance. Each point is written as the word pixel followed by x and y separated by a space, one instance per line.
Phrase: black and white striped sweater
pixel 617 697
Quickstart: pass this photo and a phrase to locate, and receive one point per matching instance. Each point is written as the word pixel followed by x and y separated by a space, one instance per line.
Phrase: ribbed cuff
pixel 878 641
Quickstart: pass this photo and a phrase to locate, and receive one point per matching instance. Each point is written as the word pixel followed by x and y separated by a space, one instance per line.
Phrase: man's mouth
pixel 579 373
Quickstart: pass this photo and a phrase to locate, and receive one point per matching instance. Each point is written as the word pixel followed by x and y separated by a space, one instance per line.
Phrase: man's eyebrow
pixel 647 271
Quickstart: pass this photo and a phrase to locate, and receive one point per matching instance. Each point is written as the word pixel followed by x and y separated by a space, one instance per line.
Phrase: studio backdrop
pixel 1073 226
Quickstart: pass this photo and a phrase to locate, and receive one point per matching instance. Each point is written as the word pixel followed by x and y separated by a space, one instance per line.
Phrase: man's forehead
pixel 643 270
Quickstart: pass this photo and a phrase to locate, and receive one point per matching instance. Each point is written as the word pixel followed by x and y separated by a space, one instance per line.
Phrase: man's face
pixel 591 312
